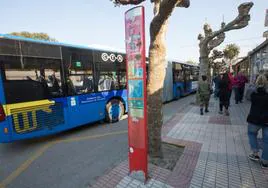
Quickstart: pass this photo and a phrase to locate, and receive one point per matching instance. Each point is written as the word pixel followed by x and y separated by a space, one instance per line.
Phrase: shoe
pixel 264 166
pixel 206 110
pixel 220 112
pixel 227 113
pixel 201 112
pixel 254 157
pixel 236 102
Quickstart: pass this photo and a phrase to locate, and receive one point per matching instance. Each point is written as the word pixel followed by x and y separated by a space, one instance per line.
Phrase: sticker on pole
pixel 136 79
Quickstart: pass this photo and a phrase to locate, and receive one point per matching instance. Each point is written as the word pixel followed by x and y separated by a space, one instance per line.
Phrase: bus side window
pixel 107 76
pixel 106 82
pixel 27 79
pixel 122 76
pixel 122 80
pixel 80 75
pixel 194 73
pixel 70 86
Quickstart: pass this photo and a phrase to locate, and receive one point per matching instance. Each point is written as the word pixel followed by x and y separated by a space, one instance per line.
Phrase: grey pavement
pixel 78 162
pixel 222 160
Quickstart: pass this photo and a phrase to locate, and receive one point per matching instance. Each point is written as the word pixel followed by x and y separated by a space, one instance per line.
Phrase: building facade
pixel 255 62
pixel 258 59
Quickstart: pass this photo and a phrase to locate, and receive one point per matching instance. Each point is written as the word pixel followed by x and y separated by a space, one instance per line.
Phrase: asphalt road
pixel 75 158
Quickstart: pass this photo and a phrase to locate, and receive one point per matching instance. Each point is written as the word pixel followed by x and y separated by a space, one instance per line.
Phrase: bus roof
pixel 95 47
pixel 181 62
pixel 12 37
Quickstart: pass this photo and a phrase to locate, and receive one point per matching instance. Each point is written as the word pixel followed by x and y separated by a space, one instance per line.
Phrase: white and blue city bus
pixel 49 87
pixel 181 79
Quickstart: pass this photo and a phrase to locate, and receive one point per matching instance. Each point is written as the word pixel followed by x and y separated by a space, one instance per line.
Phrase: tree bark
pixel 157 58
pixel 204 61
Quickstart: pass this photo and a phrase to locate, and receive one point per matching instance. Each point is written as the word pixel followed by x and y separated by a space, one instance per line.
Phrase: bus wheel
pixel 114 110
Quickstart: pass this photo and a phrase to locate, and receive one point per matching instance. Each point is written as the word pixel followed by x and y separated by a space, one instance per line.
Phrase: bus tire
pixel 114 110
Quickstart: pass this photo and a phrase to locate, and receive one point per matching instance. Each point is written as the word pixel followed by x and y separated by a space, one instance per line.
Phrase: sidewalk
pixel 215 154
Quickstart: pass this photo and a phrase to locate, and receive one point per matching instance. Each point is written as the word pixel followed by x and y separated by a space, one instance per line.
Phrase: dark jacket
pixel 216 81
pixel 242 80
pixel 224 90
pixel 259 108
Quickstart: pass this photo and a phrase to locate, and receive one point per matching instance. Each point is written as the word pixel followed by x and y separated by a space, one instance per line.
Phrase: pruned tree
pixel 215 38
pixel 219 66
pixel 40 36
pixel 157 54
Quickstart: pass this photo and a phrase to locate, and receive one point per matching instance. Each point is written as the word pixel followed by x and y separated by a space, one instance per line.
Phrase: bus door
pixel 187 75
pixel 110 74
pixel 178 80
pixel 82 95
pixel 5 135
pixel 194 78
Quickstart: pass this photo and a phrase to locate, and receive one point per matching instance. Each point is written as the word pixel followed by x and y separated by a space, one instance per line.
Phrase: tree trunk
pixel 204 61
pixel 157 55
pixel 209 72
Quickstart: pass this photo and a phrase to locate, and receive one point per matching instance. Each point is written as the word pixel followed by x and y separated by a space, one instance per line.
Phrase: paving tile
pixel 195 186
pixel 215 155
pixel 208 185
pixel 197 181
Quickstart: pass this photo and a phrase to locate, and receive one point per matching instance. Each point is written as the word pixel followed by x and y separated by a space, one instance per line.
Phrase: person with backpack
pixel 216 81
pixel 203 92
pixel 224 94
pixel 258 120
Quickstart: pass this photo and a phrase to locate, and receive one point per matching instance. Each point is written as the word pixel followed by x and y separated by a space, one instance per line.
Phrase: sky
pixel 99 23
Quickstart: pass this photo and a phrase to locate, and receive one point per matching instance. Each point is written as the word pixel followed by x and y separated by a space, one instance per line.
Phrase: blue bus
pixel 181 79
pixel 49 87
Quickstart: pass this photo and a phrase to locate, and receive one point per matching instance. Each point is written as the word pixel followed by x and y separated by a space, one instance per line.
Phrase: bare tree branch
pixel 156 6
pixel 216 41
pixel 239 22
pixel 165 9
pixel 181 3
pixel 184 3
pixel 216 54
pixel 128 2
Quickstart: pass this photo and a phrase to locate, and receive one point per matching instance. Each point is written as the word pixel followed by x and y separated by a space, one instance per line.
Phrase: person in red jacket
pixel 242 80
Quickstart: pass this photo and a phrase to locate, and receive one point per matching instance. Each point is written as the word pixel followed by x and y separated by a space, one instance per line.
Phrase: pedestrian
pixel 236 89
pixel 216 81
pixel 258 120
pixel 203 92
pixel 230 85
pixel 242 80
pixel 224 94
